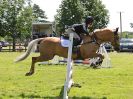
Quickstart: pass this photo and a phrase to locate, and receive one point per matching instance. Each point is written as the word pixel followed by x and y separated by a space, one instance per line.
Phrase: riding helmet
pixel 89 20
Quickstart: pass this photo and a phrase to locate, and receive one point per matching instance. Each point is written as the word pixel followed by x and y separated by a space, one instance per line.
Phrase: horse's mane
pixel 97 31
pixel 100 30
pixel 103 29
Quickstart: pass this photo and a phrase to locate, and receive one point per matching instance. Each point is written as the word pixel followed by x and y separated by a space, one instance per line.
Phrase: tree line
pixel 16 16
pixel 75 11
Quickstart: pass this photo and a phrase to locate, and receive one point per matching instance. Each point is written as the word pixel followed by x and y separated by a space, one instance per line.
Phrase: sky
pixel 114 7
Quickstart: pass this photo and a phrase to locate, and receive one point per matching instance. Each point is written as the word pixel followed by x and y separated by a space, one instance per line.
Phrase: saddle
pixel 76 42
pixel 65 43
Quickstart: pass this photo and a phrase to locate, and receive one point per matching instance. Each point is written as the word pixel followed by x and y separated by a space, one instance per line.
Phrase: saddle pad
pixel 64 42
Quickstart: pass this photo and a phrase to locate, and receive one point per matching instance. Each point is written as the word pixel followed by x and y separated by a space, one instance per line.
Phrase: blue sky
pixel 114 7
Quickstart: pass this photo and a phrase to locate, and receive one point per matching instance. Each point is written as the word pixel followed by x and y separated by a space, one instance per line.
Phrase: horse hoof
pixel 96 67
pixel 28 74
pixel 92 65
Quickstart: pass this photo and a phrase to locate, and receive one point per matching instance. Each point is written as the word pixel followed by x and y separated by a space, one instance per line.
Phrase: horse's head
pixel 115 40
pixel 108 35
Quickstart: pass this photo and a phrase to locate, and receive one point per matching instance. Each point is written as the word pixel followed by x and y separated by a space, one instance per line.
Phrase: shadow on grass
pixel 74 97
pixel 32 96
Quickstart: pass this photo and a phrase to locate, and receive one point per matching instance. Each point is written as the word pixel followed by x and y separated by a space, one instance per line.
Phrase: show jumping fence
pixel 69 71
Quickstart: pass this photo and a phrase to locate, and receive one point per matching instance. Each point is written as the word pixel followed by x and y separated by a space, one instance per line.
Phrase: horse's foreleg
pixel 94 55
pixel 99 61
pixel 100 56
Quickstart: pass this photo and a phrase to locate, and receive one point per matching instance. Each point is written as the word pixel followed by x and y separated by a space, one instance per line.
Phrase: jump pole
pixel 107 60
pixel 69 81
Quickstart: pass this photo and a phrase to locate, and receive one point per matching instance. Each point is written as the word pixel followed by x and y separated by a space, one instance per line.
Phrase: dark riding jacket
pixel 80 28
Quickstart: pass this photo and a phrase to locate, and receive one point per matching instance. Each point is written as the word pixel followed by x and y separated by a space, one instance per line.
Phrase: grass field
pixel 48 81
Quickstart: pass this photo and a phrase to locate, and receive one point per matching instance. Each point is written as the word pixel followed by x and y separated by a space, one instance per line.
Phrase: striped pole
pixel 69 81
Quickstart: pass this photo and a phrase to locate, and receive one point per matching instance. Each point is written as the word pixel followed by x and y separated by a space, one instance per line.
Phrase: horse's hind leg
pixel 32 68
pixel 35 60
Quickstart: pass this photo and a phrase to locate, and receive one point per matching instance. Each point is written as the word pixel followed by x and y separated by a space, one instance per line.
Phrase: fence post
pixel 69 81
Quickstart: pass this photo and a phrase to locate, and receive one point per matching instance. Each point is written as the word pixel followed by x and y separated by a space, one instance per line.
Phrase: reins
pixel 93 40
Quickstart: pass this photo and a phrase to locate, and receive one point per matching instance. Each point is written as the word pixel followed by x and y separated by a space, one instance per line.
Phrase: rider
pixel 79 29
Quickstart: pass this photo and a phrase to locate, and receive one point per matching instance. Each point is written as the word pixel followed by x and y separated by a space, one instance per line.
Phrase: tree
pixel 70 12
pixel 38 13
pixel 28 15
pixel 3 22
pixel 13 22
pixel 96 9
pixel 16 17
pixel 75 11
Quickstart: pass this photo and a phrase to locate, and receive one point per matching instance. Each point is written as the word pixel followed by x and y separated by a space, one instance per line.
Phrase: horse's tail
pixel 31 47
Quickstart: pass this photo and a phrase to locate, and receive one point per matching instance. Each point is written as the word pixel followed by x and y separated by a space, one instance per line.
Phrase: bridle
pixel 115 38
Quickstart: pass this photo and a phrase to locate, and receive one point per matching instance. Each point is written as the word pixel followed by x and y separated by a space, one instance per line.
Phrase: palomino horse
pixel 51 46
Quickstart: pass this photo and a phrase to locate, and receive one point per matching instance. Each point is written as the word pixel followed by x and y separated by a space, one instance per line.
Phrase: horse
pixel 51 46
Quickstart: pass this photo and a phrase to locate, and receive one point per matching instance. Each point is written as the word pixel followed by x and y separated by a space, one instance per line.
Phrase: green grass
pixel 48 81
